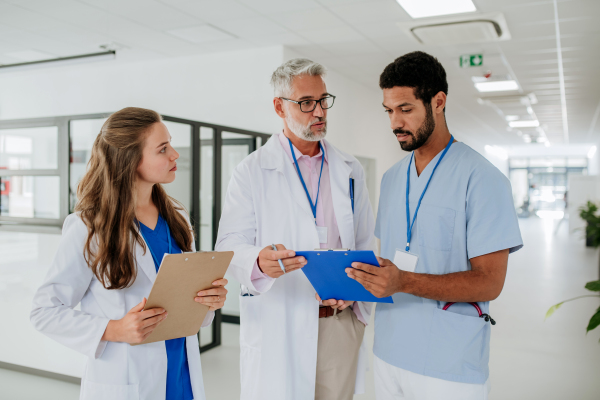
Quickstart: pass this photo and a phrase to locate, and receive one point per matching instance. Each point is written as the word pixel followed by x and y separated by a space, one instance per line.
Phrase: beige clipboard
pixel 179 279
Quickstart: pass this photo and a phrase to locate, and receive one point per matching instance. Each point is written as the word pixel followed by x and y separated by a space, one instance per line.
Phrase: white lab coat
pixel 114 371
pixel 279 325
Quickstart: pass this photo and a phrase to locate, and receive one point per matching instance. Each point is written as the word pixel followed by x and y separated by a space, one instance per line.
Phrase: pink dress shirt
pixel 310 167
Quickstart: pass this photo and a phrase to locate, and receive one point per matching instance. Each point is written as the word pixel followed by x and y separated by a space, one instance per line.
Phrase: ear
pixel 438 103
pixel 278 105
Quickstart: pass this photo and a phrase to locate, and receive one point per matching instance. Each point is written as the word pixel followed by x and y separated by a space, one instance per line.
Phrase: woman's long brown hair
pixel 107 199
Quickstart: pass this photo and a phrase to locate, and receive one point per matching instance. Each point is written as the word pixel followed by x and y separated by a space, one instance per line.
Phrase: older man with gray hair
pixel 297 192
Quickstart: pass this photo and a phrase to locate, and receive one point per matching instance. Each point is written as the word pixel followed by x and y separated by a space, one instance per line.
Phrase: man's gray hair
pixel 284 75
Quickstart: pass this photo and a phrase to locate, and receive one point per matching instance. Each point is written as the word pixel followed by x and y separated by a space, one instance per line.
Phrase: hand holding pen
pixel 276 260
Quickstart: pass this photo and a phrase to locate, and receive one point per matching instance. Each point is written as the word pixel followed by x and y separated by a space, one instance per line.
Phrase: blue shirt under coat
pixel 179 385
pixel 466 212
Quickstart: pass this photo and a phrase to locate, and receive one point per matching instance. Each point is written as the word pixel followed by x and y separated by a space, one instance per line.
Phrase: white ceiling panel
pixel 201 34
pixel 313 18
pixel 268 7
pixel 363 13
pixel 252 26
pixel 286 39
pixel 149 13
pixel 330 35
pixel 212 11
pixel 18 17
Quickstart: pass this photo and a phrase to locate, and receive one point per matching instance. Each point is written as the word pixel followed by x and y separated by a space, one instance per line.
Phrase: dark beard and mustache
pixel 422 135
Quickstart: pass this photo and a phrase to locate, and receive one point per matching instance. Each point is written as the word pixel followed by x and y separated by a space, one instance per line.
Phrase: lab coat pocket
pixel 436 227
pixel 458 347
pixel 100 391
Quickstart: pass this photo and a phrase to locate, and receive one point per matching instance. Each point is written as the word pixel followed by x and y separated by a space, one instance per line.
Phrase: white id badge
pixel 405 261
pixel 322 232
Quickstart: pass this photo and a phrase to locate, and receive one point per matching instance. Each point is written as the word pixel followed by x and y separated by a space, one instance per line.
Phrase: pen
pixel 279 261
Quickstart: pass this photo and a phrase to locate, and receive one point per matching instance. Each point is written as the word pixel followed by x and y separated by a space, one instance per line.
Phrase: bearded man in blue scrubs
pixel 446 219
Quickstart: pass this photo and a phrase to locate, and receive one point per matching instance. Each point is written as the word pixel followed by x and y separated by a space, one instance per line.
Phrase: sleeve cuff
pixel 101 343
pixel 261 281
pixel 208 319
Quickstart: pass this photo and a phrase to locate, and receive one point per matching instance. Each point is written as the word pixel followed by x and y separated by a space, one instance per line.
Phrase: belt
pixel 327 311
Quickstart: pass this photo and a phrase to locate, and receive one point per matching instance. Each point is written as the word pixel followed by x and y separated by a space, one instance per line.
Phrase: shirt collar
pixel 286 146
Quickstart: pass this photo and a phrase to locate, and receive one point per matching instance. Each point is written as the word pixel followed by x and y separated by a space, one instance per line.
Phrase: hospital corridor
pixel 299 200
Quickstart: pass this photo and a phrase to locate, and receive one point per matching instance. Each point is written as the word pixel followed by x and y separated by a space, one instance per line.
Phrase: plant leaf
pixel 594 286
pixel 594 321
pixel 552 309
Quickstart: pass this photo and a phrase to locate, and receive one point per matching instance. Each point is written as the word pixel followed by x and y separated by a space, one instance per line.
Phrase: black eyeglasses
pixel 310 105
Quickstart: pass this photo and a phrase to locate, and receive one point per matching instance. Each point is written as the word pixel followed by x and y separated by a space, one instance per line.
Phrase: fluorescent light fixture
pixel 496 86
pixel 527 138
pixel 496 151
pixel 528 123
pixel 83 58
pixel 530 110
pixel 592 152
pixel 541 139
pixel 432 8
pixel 511 117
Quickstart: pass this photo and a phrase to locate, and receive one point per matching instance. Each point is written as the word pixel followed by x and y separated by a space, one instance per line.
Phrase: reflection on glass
pixel 29 148
pixel 181 139
pixel 83 133
pixel 30 196
pixel 231 155
pixel 206 188
pixel 235 148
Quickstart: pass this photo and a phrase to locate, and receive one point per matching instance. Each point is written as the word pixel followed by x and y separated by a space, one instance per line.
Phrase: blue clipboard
pixel 326 271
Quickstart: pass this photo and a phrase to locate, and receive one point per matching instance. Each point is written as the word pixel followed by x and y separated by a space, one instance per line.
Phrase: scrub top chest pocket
pixel 436 227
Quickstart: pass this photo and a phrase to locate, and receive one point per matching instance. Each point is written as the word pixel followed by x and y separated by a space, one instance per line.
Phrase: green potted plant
pixel 592 229
pixel 592 238
pixel 593 286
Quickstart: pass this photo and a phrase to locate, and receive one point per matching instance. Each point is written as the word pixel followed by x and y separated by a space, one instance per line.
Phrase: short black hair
pixel 418 70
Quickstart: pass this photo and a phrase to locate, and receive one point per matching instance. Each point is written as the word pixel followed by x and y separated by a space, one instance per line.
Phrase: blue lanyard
pixel 156 262
pixel 410 225
pixel 312 206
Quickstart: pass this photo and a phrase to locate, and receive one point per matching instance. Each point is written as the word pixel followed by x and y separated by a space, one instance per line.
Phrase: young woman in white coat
pixel 107 260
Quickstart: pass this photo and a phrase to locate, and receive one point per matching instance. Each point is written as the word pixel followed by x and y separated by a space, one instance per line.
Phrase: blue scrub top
pixel 179 386
pixel 466 212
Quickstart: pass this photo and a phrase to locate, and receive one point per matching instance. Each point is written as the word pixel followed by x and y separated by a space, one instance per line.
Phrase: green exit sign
pixel 471 60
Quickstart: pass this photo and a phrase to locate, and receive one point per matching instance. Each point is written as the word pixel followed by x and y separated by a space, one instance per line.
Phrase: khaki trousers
pixel 340 338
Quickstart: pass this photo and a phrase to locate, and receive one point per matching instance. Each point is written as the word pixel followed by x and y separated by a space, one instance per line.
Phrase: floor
pixel 531 358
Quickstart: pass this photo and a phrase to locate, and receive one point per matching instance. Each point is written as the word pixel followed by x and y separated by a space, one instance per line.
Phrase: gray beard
pixel 304 132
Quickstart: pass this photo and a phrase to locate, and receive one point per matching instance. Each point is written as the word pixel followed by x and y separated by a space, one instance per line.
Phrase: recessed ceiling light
pixel 432 8
pixel 530 123
pixel 496 86
pixel 511 117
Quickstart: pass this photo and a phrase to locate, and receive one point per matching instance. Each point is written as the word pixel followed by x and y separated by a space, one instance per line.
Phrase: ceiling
pixel 356 38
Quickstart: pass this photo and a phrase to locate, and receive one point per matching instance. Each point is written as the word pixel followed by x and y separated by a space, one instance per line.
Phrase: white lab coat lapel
pixel 339 178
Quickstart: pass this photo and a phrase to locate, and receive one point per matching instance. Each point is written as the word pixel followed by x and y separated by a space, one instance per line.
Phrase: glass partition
pixel 30 196
pixel 181 140
pixel 29 148
pixel 82 134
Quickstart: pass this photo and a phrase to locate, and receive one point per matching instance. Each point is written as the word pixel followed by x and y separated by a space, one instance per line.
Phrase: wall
pixel 226 88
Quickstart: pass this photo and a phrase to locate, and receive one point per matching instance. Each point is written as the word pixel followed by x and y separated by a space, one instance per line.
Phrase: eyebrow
pixel 163 143
pixel 310 97
pixel 405 104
